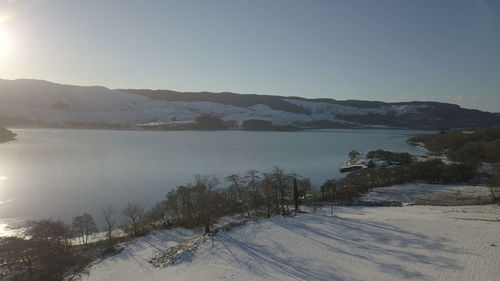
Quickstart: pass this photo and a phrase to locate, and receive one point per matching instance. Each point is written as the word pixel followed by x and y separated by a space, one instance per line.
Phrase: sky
pixel 388 50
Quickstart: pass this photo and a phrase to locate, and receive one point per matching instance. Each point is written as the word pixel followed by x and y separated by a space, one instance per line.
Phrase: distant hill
pixel 226 98
pixel 42 103
pixel 415 114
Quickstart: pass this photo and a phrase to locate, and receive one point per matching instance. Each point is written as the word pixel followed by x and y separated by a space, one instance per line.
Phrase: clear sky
pixel 389 50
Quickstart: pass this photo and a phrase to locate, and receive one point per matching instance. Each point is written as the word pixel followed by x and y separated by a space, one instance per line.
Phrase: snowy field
pixel 431 194
pixel 355 243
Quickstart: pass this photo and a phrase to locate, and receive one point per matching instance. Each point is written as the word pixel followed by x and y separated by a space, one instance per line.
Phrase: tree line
pixel 358 183
pixel 55 250
pixel 253 194
pixel 469 147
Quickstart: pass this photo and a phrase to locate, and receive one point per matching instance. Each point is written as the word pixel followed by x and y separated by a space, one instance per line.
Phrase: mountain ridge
pixel 44 103
pixel 156 93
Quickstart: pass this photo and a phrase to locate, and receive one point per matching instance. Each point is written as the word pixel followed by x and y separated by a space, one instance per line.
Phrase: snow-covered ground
pixel 431 194
pixel 328 108
pixel 356 243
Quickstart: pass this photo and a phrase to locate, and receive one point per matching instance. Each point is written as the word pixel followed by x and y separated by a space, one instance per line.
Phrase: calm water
pixel 63 173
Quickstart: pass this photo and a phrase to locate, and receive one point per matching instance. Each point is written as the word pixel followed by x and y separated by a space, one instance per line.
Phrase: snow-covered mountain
pixel 42 102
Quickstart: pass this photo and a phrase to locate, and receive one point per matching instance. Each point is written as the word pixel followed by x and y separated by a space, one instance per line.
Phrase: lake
pixel 62 173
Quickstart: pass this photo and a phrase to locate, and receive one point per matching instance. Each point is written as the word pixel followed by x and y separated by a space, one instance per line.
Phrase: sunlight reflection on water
pixel 3 230
pixel 12 227
pixel 6 201
pixel 6 231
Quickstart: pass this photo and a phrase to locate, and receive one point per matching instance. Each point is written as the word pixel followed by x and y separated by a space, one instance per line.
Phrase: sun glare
pixel 5 43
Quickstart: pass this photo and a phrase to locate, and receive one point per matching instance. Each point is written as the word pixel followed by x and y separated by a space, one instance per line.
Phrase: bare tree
pixel 155 216
pixel 109 221
pixel 205 184
pixel 281 183
pixel 84 226
pixel 329 192
pixel 253 180
pixel 236 180
pixel 494 183
pixel 295 192
pixel 267 189
pixel 133 212
pixel 50 253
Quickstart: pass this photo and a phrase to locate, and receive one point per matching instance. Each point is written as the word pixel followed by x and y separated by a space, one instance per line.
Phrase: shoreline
pixel 14 127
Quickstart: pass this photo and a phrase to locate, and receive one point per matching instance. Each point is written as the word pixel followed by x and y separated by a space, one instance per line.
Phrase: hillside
pixel 348 112
pixel 405 243
pixel 472 147
pixel 42 103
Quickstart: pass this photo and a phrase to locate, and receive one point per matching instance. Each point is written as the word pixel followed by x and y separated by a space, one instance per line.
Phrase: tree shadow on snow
pixel 390 249
pixel 295 268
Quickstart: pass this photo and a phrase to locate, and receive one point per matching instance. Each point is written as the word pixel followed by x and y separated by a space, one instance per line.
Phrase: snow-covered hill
pixel 356 243
pixel 55 104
